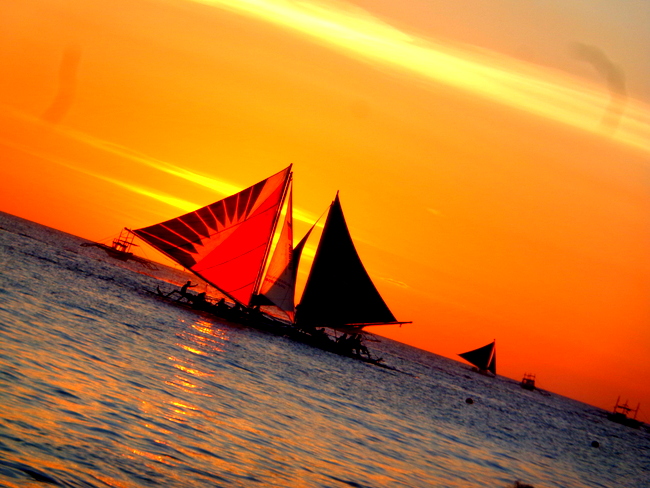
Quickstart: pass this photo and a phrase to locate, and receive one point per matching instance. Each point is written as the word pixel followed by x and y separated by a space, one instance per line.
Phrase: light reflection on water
pixel 102 385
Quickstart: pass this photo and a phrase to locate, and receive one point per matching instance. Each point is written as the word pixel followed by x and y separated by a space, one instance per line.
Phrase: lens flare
pixel 501 79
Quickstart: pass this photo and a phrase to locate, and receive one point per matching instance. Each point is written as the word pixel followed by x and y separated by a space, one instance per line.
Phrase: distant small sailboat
pixel 528 382
pixel 484 358
pixel 120 248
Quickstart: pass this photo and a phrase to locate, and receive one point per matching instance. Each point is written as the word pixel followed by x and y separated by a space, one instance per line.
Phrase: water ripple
pixel 102 385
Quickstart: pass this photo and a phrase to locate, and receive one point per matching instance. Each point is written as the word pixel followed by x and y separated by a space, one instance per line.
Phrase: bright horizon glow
pixel 543 92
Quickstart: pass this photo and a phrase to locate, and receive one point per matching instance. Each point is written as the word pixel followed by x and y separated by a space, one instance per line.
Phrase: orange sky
pixel 492 160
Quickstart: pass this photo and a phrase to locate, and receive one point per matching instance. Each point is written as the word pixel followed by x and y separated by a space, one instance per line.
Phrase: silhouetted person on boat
pixel 355 344
pixel 345 344
pixel 199 301
pixel 184 288
pixel 363 350
pixel 357 347
pixel 238 312
pixel 183 293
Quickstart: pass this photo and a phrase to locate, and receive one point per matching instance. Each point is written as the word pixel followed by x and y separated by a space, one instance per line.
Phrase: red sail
pixel 225 243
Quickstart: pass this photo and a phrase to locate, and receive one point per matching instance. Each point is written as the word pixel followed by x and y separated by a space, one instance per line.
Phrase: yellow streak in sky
pixel 544 92
pixel 170 200
pixel 37 126
pixel 173 201
pixel 218 186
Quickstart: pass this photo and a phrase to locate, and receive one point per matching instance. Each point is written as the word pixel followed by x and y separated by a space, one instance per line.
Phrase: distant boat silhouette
pixel 528 382
pixel 484 358
pixel 621 415
pixel 120 248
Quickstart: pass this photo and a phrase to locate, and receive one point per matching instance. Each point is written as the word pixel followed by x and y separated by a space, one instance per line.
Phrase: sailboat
pixel 120 248
pixel 484 358
pixel 229 244
pixel 621 414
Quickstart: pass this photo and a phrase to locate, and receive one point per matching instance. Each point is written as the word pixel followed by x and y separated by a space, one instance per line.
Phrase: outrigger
pixel 348 342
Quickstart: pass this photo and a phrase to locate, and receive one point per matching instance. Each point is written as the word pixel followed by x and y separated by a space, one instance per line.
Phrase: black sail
pixel 339 292
pixel 484 358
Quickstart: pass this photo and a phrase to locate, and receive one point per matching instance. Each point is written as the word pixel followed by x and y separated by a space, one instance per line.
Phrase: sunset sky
pixel 492 156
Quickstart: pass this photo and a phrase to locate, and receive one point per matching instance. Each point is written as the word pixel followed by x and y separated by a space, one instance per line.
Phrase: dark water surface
pixel 101 384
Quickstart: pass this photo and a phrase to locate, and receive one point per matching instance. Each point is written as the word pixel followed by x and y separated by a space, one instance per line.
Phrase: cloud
pixel 67 84
pixel 614 77
pixel 501 79
pixel 29 146
pixel 219 186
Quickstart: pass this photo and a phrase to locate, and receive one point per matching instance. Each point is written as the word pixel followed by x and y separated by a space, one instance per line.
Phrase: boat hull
pixel 258 320
pixel 622 419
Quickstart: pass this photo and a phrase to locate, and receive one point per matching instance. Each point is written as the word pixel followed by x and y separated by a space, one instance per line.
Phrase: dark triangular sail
pixel 225 243
pixel 484 358
pixel 339 292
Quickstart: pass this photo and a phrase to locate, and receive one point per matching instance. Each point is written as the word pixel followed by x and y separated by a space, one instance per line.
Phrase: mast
pixel 484 358
pixel 267 254
pixel 278 285
pixel 124 241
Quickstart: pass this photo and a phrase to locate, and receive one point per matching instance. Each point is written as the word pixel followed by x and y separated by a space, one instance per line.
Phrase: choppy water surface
pixel 101 384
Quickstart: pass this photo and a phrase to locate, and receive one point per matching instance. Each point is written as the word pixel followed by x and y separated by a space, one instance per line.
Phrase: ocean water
pixel 104 385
